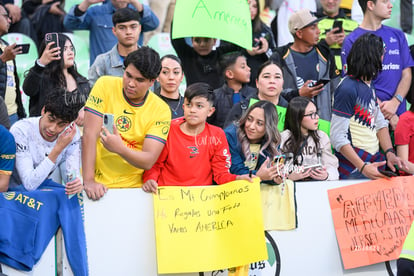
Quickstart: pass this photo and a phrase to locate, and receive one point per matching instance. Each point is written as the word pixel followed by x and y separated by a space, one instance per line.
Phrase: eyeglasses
pixel 312 115
pixel 6 15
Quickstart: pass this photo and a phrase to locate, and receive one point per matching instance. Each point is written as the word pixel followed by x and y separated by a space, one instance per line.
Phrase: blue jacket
pixel 98 20
pixel 237 157
pixel 29 220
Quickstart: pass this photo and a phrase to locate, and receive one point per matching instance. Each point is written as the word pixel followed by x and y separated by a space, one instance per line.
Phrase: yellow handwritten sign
pixel 279 206
pixel 372 219
pixel 207 228
pixel 228 20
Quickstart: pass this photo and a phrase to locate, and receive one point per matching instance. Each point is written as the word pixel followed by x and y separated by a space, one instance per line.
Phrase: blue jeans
pixel 13 118
pixel 356 175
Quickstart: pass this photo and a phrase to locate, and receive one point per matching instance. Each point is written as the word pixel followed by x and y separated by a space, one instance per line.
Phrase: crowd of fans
pixel 245 112
pixel 302 80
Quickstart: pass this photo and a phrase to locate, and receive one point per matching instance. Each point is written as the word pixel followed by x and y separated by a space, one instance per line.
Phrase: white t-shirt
pixel 32 164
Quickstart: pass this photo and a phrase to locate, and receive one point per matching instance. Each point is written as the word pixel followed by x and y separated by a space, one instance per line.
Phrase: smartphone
pixel 337 24
pixel 66 128
pixel 108 122
pixel 25 48
pixel 259 43
pixel 49 37
pixel 315 166
pixel 388 173
pixel 60 6
pixel 70 176
pixel 321 81
pixel 278 159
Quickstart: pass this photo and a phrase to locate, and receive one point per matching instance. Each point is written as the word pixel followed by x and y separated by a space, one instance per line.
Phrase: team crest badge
pixel 123 123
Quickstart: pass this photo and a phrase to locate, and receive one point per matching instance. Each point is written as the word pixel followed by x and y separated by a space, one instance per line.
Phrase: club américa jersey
pixel 135 122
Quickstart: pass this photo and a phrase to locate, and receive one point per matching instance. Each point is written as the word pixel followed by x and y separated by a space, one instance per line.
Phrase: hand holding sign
pixel 372 219
pixel 228 20
pixel 196 222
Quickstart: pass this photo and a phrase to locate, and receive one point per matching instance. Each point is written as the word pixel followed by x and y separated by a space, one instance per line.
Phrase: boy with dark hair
pixel 48 149
pixel 193 141
pixel 305 62
pixel 233 66
pixel 127 29
pixel 98 18
pixel 141 125
pixel 49 146
pixel 200 59
pixel 125 15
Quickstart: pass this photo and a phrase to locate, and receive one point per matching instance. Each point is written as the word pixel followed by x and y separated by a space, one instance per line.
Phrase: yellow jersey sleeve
pixel 160 125
pixel 101 95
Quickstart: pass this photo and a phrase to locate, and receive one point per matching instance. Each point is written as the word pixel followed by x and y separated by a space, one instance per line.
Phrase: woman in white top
pixel 309 148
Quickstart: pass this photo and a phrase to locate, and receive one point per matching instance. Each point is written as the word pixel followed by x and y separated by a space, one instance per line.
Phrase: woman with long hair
pixel 169 80
pixel 308 147
pixel 55 68
pixel 358 128
pixel 269 83
pixel 254 143
pixel 263 41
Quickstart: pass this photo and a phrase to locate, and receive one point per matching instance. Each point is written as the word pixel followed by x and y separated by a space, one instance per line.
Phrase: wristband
pixel 389 150
pixel 77 12
pixel 39 64
pixel 399 98
pixel 362 168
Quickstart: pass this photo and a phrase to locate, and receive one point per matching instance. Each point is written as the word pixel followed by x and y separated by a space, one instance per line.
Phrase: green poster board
pixel 323 125
pixel 228 20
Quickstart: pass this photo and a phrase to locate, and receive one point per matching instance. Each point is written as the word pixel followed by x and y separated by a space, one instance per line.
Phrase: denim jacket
pixel 109 63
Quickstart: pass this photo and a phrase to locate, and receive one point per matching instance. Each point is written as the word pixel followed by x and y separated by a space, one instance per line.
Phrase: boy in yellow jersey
pixel 141 125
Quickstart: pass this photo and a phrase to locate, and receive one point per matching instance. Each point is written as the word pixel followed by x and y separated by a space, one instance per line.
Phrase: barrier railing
pixel 121 239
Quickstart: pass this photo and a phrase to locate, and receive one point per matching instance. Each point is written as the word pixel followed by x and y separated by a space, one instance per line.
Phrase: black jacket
pixel 201 68
pixel 238 109
pixel 290 89
pixel 3 84
pixel 4 117
pixel 256 61
pixel 37 86
pixel 223 102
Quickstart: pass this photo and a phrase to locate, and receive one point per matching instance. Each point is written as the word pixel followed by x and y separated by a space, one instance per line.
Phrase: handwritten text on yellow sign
pixel 205 228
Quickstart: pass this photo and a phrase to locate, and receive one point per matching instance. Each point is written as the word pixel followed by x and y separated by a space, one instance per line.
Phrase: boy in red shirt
pixel 195 152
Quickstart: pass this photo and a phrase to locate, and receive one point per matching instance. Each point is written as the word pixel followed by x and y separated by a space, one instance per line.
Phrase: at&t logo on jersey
pixel 23 199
